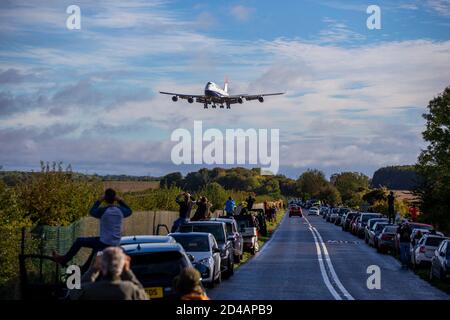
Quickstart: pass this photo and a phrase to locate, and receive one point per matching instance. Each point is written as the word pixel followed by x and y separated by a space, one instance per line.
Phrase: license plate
pixel 155 292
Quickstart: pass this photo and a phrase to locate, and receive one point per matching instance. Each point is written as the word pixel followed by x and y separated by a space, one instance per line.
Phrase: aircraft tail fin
pixel 225 86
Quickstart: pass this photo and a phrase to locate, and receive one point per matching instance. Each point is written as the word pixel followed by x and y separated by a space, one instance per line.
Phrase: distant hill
pixel 396 178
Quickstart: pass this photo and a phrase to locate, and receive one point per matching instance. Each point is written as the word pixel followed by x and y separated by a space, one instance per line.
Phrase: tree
pixel 171 180
pixel 215 194
pixel 375 195
pixel 349 183
pixel 433 165
pixel 330 195
pixel 310 183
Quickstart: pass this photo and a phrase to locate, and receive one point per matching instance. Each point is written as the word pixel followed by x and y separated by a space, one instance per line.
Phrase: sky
pixel 89 97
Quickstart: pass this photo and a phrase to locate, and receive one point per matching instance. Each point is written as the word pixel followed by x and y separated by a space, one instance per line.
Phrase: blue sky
pixel 89 97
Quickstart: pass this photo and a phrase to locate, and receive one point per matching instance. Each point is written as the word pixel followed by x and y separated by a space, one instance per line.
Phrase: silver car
pixel 203 247
pixel 423 251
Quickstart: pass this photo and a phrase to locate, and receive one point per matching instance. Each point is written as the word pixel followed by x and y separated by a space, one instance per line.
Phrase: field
pixel 404 195
pixel 131 186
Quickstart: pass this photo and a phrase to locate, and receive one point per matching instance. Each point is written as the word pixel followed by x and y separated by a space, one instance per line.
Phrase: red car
pixel 295 211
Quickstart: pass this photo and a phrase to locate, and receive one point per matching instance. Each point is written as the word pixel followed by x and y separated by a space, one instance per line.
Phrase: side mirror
pixel 230 238
pixel 216 250
pixel 191 257
pixel 442 254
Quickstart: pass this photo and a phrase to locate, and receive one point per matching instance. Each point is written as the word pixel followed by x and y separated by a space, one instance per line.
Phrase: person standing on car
pixel 185 201
pixel 117 281
pixel 202 209
pixel 111 227
pixel 250 201
pixel 229 206
pixel 404 234
pixel 188 285
pixel 391 209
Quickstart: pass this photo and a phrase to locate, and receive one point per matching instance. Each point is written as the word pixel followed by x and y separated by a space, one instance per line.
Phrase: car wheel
pixel 212 283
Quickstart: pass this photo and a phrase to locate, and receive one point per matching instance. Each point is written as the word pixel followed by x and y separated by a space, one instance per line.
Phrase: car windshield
pixel 433 241
pixel 379 226
pixel 421 226
pixel 193 243
pixel 392 229
pixel 157 265
pixel 367 217
pixel 215 229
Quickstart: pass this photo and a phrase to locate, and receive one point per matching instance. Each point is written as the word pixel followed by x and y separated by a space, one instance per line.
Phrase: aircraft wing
pixel 183 96
pixel 250 97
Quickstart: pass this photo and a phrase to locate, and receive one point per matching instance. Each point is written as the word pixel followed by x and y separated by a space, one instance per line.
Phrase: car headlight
pixel 206 261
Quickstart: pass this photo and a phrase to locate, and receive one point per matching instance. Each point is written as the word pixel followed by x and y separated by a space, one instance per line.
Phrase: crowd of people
pixel 109 276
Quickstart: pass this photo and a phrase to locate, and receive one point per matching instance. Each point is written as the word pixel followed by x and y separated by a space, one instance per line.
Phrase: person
pixel 404 233
pixel 188 285
pixel 391 213
pixel 413 213
pixel 229 206
pixel 111 227
pixel 241 209
pixel 117 281
pixel 202 209
pixel 185 201
pixel 250 201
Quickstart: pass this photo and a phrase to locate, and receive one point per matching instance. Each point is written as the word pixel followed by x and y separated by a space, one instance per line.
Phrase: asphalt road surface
pixel 308 258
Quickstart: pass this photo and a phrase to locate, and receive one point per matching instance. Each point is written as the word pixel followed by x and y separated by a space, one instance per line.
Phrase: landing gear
pixel 221 106
pixel 213 106
pixel 205 105
pixel 228 106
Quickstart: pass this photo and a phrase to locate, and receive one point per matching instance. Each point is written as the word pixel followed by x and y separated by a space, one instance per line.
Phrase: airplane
pixel 214 94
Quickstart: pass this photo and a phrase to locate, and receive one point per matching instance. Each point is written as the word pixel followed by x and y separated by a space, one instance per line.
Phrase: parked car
pixel 323 210
pixel 248 227
pixel 341 213
pixel 313 211
pixel 333 215
pixel 369 225
pixel 347 219
pixel 218 230
pixel 412 226
pixel 417 234
pixel 354 224
pixel 295 211
pixel 440 263
pixel 386 239
pixel 146 239
pixel 156 265
pixel 364 218
pixel 423 251
pixel 374 231
pixel 205 250
pixel 234 235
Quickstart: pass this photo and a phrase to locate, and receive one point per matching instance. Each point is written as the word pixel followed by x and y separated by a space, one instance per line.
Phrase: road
pixel 310 259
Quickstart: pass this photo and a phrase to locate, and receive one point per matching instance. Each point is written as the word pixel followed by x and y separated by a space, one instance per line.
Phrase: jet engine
pixel 174 98
pixel 261 99
pixel 190 100
pixel 239 100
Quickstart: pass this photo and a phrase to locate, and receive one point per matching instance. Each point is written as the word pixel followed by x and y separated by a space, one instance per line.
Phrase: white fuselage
pixel 213 90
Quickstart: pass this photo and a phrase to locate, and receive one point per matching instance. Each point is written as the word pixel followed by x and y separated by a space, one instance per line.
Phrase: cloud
pixel 442 7
pixel 242 13
pixel 337 32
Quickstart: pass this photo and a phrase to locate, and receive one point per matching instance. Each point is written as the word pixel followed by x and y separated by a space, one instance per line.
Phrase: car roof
pixel 204 222
pixel 190 234
pixel 146 239
pixel 225 220
pixel 152 247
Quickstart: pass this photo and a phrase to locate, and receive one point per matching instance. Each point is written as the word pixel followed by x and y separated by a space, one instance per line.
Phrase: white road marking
pixel 324 273
pixel 318 239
